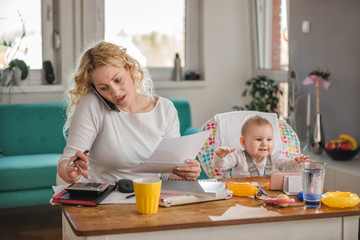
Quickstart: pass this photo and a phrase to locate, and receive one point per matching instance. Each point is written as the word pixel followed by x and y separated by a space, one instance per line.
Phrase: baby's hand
pixel 302 158
pixel 223 151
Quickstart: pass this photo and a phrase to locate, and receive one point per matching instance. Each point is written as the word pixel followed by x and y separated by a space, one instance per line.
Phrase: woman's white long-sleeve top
pixel 118 141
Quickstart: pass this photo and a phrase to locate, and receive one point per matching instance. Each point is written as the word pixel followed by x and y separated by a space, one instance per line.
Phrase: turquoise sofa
pixel 31 142
pixel 184 111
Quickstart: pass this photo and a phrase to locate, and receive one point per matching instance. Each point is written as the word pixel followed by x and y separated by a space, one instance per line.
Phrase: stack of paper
pixel 168 200
pixel 204 188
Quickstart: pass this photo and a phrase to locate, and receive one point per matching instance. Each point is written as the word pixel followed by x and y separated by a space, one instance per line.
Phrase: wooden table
pixel 121 221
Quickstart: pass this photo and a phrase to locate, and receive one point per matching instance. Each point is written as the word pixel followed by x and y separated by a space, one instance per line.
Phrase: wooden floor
pixel 31 223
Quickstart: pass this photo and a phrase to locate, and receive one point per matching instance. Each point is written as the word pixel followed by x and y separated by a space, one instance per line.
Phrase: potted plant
pixel 264 93
pixel 9 76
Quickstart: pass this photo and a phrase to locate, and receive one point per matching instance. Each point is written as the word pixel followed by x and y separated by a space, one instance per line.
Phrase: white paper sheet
pixel 242 212
pixel 117 197
pixel 173 152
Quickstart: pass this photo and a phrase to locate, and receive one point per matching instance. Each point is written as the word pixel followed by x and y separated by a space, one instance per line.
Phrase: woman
pixel 114 114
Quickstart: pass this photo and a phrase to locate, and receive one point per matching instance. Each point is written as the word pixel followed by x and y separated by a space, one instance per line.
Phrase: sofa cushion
pixel 23 198
pixel 28 171
pixel 32 128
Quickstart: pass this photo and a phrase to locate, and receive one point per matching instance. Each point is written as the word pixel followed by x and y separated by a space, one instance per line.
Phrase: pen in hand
pixel 78 158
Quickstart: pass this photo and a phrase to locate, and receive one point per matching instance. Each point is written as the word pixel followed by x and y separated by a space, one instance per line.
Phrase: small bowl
pixel 341 155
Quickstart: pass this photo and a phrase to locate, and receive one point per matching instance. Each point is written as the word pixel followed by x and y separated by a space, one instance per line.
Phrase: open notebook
pixel 204 188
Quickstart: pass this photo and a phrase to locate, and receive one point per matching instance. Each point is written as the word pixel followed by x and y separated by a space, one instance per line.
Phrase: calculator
pixel 87 187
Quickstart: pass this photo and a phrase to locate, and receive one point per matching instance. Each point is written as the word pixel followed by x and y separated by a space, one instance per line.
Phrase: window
pixel 154 31
pixel 271 53
pixel 154 43
pixel 271 31
pixel 79 23
pixel 26 29
pixel 271 43
pixel 20 25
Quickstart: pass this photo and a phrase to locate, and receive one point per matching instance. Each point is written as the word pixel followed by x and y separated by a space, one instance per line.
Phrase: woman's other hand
pixel 190 172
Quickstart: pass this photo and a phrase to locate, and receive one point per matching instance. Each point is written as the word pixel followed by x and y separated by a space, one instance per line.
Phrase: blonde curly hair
pixel 104 53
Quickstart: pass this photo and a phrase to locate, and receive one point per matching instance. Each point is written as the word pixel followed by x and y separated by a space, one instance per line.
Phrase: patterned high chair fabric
pixel 290 146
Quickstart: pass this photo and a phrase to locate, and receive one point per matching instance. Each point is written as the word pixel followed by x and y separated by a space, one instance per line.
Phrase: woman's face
pixel 115 84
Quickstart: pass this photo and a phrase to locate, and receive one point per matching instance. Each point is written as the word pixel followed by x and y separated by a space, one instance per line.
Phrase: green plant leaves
pixel 264 92
pixel 21 65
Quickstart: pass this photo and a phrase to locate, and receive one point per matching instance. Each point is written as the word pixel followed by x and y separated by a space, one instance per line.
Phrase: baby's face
pixel 259 142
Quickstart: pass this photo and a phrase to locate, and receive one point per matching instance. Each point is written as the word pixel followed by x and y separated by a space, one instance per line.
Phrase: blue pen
pixel 78 158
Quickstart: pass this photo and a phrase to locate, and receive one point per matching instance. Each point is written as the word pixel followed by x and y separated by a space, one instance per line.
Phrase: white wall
pixel 332 44
pixel 227 62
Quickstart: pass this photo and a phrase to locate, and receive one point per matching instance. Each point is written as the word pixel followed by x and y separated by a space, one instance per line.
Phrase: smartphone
pixel 107 103
pixel 277 179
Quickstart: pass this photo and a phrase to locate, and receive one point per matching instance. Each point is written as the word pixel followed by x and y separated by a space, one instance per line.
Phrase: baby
pixel 258 158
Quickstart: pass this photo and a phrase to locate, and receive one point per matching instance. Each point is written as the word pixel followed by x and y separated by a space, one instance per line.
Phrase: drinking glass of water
pixel 313 176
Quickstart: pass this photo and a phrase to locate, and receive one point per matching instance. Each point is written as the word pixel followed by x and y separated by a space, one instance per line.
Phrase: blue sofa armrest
pixel 182 105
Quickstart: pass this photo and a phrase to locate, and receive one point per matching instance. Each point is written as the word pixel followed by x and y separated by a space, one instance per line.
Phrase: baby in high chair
pixel 258 157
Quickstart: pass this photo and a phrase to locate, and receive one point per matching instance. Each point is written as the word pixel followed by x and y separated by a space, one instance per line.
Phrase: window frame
pixel 36 77
pixel 193 51
pixel 278 75
pixel 48 15
pixel 81 23
pixel 193 36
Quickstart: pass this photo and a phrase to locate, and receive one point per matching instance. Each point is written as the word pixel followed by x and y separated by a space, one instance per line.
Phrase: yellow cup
pixel 147 194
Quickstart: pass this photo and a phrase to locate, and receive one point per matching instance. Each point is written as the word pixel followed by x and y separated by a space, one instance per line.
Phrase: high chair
pixel 226 131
